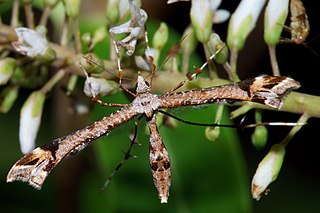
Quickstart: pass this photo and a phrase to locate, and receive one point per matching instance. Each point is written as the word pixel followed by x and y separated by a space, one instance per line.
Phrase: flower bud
pixel 215 44
pixel 31 42
pixel 267 170
pixel 201 19
pixel 91 63
pixel 50 3
pixel 190 41
pixel 212 133
pixel 99 35
pixel 242 21
pixel 72 7
pixel 86 38
pixel 7 98
pixel 274 19
pixel 259 137
pixel 26 1
pixel 99 87
pixel 160 37
pixel 123 9
pixel 30 118
pixel 7 35
pixel 48 56
pixel 7 67
pixel 112 11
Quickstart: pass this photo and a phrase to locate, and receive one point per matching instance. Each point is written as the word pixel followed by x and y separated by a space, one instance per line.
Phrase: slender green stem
pixel 233 76
pixel 273 59
pixel 29 15
pixel 233 61
pixel 303 119
pixel 45 16
pixel 53 81
pixel 185 62
pixel 15 13
pixel 212 68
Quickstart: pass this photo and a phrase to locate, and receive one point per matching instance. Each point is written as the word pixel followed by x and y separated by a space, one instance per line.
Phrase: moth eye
pixel 147 83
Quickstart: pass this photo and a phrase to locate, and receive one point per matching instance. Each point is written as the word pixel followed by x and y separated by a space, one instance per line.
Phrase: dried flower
pixel 99 86
pixel 134 27
pixel 267 170
pixel 31 42
pixel 30 118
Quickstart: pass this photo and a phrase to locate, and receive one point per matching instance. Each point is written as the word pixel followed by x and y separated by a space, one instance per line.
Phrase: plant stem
pixel 273 59
pixel 15 13
pixel 303 119
pixel 53 81
pixel 45 16
pixel 29 15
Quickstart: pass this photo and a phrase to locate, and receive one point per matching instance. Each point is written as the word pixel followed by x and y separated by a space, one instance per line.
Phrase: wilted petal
pixel 30 42
pixel 30 117
pixel 267 170
pixel 99 86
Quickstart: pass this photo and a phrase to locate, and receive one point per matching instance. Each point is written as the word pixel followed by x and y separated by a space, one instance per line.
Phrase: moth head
pixel 142 85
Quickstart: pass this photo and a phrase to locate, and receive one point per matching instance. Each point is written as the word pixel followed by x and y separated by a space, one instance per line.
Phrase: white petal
pixel 262 179
pixel 29 122
pixel 30 42
pixel 275 9
pixel 220 16
pixel 215 4
pixel 246 8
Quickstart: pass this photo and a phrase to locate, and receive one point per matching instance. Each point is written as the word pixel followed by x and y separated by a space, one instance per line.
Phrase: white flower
pixel 274 19
pixel 219 16
pixel 267 170
pixel 30 117
pixel 201 18
pixel 134 27
pixel 242 21
pixel 30 42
